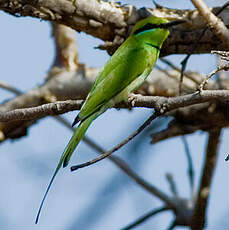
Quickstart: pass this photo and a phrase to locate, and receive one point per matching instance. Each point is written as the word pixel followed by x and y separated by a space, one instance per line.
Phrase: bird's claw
pixel 132 98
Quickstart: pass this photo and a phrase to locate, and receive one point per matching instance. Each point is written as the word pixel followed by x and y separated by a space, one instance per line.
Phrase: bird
pixel 124 72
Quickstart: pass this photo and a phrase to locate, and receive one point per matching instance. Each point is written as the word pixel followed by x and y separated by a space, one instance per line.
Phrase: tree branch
pixel 190 171
pixel 161 104
pixel 112 22
pixel 199 215
pixel 205 117
pixel 199 117
pixel 50 109
pixel 9 88
pixel 221 67
pixel 66 47
pixel 145 217
pixel 216 25
pixel 120 145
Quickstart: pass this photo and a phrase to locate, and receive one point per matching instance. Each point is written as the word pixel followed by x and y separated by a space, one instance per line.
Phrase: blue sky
pixel 100 196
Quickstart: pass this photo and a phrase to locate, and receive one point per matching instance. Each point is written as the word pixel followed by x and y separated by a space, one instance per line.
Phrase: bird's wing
pixel 114 78
pixel 114 61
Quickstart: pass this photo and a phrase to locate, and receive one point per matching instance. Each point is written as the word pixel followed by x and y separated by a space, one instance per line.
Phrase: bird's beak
pixel 172 23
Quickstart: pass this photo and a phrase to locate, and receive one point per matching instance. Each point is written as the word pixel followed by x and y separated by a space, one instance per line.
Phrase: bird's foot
pixel 132 98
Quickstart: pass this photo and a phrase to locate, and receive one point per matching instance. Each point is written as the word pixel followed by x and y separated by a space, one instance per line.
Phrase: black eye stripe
pixel 150 26
pixel 146 27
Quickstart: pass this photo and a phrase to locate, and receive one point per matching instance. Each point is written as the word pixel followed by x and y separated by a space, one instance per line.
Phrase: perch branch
pixel 161 104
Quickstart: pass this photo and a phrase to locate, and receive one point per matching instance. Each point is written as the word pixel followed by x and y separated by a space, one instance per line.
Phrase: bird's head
pixel 154 28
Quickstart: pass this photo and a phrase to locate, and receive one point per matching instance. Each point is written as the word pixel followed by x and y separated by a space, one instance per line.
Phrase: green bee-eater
pixel 123 73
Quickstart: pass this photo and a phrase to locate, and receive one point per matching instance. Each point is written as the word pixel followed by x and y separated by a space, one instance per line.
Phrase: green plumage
pixel 123 73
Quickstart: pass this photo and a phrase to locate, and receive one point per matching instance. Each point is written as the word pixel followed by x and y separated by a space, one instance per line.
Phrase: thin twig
pixel 10 88
pixel 169 63
pixel 208 77
pixel 184 63
pixel 190 165
pixel 121 164
pixel 172 225
pixel 188 87
pixel 223 54
pixel 199 214
pixel 117 147
pixel 172 184
pixel 220 76
pixel 145 217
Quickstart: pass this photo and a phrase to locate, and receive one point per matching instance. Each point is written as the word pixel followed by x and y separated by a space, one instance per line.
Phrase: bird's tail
pixel 68 151
pixel 76 138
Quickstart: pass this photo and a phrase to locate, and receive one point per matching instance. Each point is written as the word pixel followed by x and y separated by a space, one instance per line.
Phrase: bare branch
pixel 145 217
pixel 224 67
pixel 203 117
pixel 117 147
pixel 172 225
pixel 161 104
pixel 223 54
pixel 97 18
pixel 9 88
pixel 111 22
pixel 216 25
pixel 41 111
pixel 199 215
pixel 190 165
pixel 172 184
pixel 66 47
